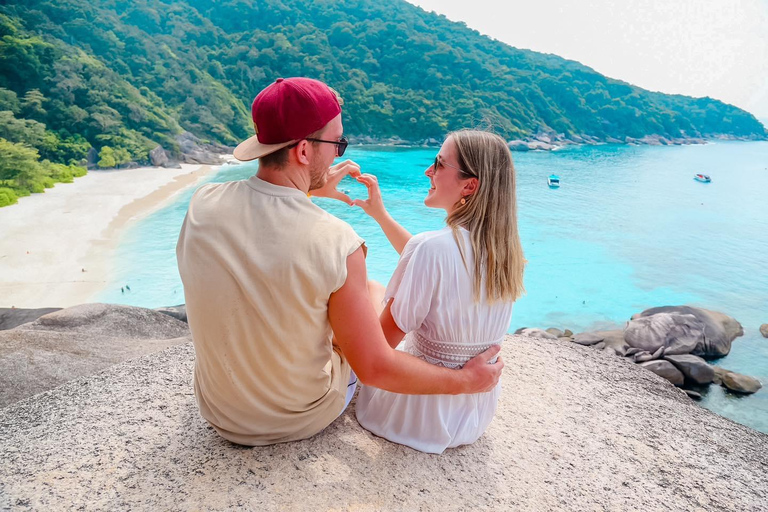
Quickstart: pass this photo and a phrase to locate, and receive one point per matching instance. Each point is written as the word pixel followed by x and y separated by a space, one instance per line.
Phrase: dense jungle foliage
pixel 118 77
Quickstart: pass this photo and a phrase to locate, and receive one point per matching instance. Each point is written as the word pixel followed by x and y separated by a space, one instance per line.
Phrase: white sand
pixel 56 248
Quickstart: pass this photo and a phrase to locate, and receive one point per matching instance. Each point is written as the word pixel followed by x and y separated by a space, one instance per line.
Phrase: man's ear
pixel 470 187
pixel 301 152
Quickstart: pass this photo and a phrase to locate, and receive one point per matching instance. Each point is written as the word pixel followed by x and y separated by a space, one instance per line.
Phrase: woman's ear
pixel 470 187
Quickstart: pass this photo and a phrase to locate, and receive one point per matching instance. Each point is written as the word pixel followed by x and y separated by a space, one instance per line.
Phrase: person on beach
pixel 279 306
pixel 451 294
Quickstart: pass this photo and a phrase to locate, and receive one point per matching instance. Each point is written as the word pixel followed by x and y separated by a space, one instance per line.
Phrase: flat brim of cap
pixel 251 149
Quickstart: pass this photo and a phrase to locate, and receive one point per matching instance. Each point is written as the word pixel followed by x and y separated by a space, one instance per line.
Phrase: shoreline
pixel 553 142
pixel 58 248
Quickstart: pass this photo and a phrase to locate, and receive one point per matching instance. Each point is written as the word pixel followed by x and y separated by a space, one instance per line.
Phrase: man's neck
pixel 288 176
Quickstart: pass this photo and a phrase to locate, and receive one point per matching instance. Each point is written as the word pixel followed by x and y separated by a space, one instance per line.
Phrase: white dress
pixel 434 305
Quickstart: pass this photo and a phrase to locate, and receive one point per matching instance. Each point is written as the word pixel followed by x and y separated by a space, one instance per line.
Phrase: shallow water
pixel 628 229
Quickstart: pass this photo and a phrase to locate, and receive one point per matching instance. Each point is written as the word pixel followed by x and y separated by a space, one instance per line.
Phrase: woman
pixel 452 291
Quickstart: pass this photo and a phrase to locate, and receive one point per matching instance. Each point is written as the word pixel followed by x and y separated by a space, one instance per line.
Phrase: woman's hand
pixel 335 174
pixel 374 205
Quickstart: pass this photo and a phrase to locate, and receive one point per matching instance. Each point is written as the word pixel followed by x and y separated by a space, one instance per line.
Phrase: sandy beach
pixel 56 248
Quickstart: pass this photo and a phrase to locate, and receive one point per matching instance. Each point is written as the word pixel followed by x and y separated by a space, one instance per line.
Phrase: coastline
pixel 550 141
pixel 57 248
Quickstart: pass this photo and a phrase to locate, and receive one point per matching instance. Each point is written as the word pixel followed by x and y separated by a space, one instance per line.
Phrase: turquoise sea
pixel 628 229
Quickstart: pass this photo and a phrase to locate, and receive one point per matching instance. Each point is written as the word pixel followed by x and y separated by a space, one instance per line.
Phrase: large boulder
pixel 588 338
pixel 740 383
pixel 695 369
pixel 719 330
pixel 79 341
pixel 13 317
pixel 764 330
pixel 518 145
pixel 194 151
pixel 158 157
pixel 178 312
pixel 674 333
pixel 614 341
pixel 536 333
pixel 665 369
pixel 131 438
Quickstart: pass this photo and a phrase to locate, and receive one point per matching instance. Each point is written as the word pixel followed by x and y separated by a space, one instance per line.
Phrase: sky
pixel 715 48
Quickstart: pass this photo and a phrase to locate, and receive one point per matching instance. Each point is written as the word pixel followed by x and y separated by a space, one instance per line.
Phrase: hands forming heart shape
pixel 373 206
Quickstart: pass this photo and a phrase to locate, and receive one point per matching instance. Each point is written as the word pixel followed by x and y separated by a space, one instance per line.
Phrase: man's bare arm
pixel 359 335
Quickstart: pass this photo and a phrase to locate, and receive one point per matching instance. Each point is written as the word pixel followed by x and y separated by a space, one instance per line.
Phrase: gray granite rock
pixel 131 438
pixel 719 329
pixel 741 383
pixel 158 157
pixel 643 356
pixel 194 151
pixel 665 369
pixel 557 333
pixel 178 312
pixel 693 394
pixel 588 338
pixel 79 341
pixel 537 333
pixel 676 333
pixel 764 330
pixel 13 317
pixel 695 369
pixel 614 340
pixel 719 372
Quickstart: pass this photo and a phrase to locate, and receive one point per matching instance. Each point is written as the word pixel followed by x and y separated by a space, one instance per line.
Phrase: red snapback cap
pixel 287 111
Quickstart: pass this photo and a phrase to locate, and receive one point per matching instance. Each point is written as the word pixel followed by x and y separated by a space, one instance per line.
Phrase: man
pixel 276 288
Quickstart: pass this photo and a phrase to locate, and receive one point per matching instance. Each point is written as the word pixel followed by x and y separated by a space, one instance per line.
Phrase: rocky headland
pixel 550 141
pixel 673 342
pixel 576 429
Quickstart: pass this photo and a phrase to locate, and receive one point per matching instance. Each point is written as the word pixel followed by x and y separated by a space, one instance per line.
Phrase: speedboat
pixel 702 178
pixel 553 181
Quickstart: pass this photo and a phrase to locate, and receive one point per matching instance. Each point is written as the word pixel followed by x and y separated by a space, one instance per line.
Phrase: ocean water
pixel 628 229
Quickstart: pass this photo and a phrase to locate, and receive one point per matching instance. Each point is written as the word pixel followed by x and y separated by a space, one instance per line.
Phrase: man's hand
pixel 481 375
pixel 374 205
pixel 335 174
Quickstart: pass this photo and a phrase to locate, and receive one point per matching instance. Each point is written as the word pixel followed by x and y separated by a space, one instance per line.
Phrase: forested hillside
pixel 122 76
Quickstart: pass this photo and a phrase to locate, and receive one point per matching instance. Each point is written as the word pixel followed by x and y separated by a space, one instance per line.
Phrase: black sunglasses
pixel 341 144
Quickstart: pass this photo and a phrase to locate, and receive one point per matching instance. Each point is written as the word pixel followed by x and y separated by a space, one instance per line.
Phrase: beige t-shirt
pixel 259 263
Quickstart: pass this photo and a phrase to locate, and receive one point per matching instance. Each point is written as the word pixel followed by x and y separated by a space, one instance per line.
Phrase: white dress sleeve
pixel 414 285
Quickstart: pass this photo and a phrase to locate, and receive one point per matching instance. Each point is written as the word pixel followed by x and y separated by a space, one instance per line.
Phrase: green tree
pixel 18 162
pixel 107 158
pixel 7 197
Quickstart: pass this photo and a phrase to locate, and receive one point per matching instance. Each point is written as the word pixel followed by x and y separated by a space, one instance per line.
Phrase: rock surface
pixel 13 317
pixel 159 157
pixel 79 341
pixel 178 312
pixel 619 438
pixel 695 369
pixel 536 333
pixel 588 338
pixel 719 330
pixel 764 330
pixel 676 334
pixel 666 370
pixel 194 151
pixel 740 383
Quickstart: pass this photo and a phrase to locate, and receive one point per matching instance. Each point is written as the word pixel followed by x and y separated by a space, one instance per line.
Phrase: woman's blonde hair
pixel 490 215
